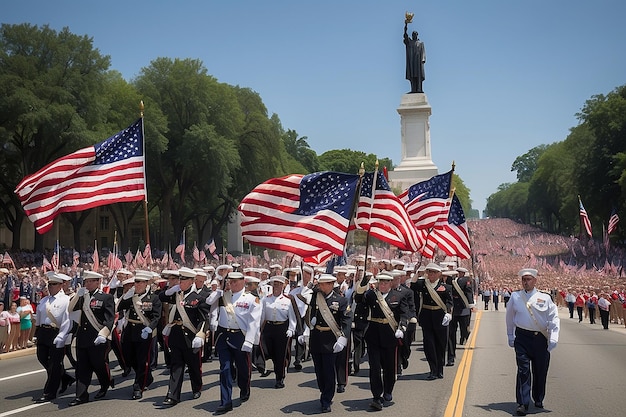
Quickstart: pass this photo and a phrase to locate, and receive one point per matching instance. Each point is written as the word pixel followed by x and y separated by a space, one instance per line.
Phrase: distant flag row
pixel 586 223
pixel 310 215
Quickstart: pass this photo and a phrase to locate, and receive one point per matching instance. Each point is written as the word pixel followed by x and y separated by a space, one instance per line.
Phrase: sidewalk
pixel 564 315
pixel 19 353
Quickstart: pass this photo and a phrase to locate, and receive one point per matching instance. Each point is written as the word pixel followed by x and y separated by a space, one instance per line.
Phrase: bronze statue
pixel 415 58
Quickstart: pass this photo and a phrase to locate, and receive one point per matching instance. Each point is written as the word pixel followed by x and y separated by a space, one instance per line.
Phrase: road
pixel 586 377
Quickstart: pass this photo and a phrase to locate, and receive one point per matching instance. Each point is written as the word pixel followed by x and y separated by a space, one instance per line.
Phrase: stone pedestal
pixel 416 164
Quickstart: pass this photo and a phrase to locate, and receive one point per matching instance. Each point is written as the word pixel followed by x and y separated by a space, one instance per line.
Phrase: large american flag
pixel 449 233
pixel 613 220
pixel 584 218
pixel 304 215
pixel 384 215
pixel 108 172
pixel 425 200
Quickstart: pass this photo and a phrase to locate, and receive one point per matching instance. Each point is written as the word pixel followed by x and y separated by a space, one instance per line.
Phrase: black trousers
pixel 51 358
pixel 138 353
pixel 90 360
pixel 324 364
pixel 342 364
pixel 382 361
pixel 276 347
pixel 435 339
pixel 533 360
pixel 458 322
pixel 358 343
pixel 604 318
pixel 179 357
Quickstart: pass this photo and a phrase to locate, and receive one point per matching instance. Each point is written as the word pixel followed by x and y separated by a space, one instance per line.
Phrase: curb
pixel 18 353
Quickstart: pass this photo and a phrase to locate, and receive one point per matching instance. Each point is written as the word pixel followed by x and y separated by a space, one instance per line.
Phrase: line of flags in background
pixel 586 223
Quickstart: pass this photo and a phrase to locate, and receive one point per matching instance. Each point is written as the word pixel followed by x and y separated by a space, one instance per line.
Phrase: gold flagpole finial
pixel 141 107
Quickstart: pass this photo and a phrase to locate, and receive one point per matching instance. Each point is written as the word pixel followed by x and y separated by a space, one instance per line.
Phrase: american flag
pixel 425 200
pixel 139 260
pixel 384 215
pixel 584 218
pixel 113 262
pixel 304 215
pixel 108 172
pixel 613 220
pixel 96 259
pixel 128 257
pixel 196 252
pixel 210 246
pixel 147 254
pixel 180 249
pixel 46 265
pixel 450 233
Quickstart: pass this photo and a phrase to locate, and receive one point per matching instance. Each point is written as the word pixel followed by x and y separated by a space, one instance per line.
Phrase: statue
pixel 415 57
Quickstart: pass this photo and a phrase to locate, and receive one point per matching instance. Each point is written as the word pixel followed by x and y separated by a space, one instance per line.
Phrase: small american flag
pixel 613 220
pixel 584 217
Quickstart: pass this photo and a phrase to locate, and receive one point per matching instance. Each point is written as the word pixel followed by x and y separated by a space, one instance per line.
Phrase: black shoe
pixel 376 404
pixel 279 384
pixel 44 399
pixel 355 372
pixel 341 388
pixel 137 395
pixel 100 394
pixel 196 395
pixel 387 397
pixel 170 402
pixel 265 373
pixel 244 397
pixel 66 382
pixel 538 404
pixel 462 341
pixel 521 410
pixel 297 366
pixel 112 383
pixel 224 409
pixel 450 362
pixel 440 376
pixel 77 401
pixel 431 377
pixel 126 372
pixel 326 409
pixel 405 363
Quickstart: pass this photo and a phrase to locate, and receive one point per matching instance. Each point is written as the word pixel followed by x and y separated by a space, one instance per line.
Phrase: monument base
pixel 416 164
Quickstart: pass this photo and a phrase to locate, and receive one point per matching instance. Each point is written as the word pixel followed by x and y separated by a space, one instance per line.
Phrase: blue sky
pixel 501 76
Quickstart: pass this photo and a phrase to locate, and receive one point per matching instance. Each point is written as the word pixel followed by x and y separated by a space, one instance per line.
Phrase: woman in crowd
pixel 14 328
pixel 25 310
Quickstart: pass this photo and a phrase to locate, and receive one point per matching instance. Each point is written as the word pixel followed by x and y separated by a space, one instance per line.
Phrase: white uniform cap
pixel 277 278
pixel 235 265
pixel 433 267
pixel 528 271
pixel 461 269
pixel 143 275
pixel 201 273
pixel 170 272
pixel 209 268
pixel 326 278
pixel 450 273
pixel 53 277
pixel 340 269
pixel 276 266
pixel 130 280
pixel 124 271
pixel 91 275
pixel 264 271
pixel 4 271
pixel 396 262
pixel 214 282
pixel 308 269
pixel 235 275
pixel 252 279
pixel 187 272
pixel 219 268
pixel 384 277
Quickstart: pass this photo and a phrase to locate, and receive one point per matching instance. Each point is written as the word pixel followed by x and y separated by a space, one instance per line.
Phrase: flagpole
pixel 57 248
pixel 367 238
pixel 145 200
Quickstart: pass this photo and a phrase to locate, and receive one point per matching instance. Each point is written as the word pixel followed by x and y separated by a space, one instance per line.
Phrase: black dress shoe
pixel 224 409
pixel 137 395
pixel 243 397
pixel 100 394
pixel 376 404
pixel 126 372
pixel 521 410
pixel 326 409
pixel 431 377
pixel 405 363
pixel 538 404
pixel 265 373
pixel 197 395
pixel 170 402
pixel 77 401
pixel 44 399
pixel 112 383
pixel 440 376
pixel 66 382
pixel 279 384
pixel 341 388
pixel 450 362
pixel 297 366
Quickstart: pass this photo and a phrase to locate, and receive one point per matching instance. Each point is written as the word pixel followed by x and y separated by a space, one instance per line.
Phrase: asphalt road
pixel 586 378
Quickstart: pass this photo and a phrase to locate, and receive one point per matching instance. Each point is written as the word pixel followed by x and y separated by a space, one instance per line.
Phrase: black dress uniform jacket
pixel 322 341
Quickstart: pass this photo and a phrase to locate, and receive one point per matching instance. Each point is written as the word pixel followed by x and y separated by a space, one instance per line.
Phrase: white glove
pixel 196 343
pixel 213 327
pixel 166 330
pixel 68 339
pixel 246 347
pixel 99 340
pixel 146 332
pixel 172 290
pixel 128 294
pixel 219 292
pixel 551 345
pixel 399 334
pixel 511 341
pixel 289 333
pixel 59 342
pixel 313 321
pixel 340 344
pixel 302 340
pixel 446 319
pixel 81 291
pixel 114 283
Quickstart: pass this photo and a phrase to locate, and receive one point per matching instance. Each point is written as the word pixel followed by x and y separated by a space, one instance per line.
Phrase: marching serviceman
pixel 92 337
pixel 388 318
pixel 301 296
pixel 463 305
pixel 532 327
pixel 238 322
pixel 330 320
pixel 185 334
pixel 143 311
pixel 173 278
pixel 278 326
pixel 404 347
pixel 435 301
pixel 53 325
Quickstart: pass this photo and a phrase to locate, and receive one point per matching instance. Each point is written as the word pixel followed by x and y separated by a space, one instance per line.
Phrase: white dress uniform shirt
pixel 247 315
pixel 278 309
pixel 57 305
pixel 545 314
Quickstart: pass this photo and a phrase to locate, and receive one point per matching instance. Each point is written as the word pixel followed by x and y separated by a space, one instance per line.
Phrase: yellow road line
pixel 459 388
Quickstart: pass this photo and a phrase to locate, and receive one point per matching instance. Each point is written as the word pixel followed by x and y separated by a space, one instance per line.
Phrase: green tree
pixel 526 165
pixel 52 85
